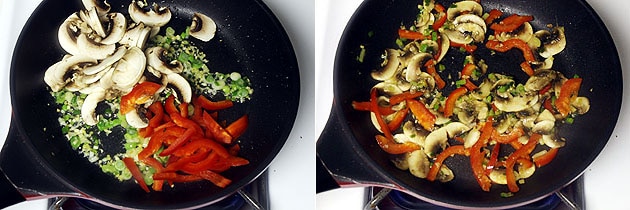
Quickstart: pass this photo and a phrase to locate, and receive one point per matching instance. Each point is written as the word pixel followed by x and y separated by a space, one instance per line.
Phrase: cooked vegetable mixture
pixel 506 128
pixel 138 104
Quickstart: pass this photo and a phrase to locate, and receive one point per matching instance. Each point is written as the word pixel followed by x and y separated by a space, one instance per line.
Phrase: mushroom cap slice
pixel 89 106
pixel 117 29
pixel 553 42
pixel 66 67
pixel 68 33
pixel 101 6
pixel 155 17
pixel 92 19
pixel 136 35
pixel 136 120
pixel 524 32
pixel 418 163
pixel 461 7
pixel 93 49
pixel 390 67
pixel 129 69
pixel 437 139
pixel 156 58
pixel 181 87
pixel 202 27
pixel 107 62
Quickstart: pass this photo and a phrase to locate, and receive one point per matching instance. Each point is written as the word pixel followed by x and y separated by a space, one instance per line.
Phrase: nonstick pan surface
pixel 249 40
pixel 349 151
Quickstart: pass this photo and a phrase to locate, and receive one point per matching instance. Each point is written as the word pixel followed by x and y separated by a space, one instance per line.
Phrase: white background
pixel 606 182
pixel 292 173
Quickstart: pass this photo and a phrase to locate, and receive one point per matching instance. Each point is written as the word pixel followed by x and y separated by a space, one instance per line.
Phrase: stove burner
pixel 258 191
pixel 396 200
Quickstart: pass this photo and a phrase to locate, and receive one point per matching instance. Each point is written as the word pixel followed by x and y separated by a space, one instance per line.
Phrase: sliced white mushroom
pixel 445 174
pixel 390 66
pixel 68 33
pixel 524 173
pixel 545 115
pixel 70 65
pixel 418 163
pixel 471 138
pixel 437 139
pixel 89 106
pixel 117 28
pixel 552 42
pixel 388 88
pixel 156 58
pixel 461 7
pixel 413 133
pixel 155 17
pixel 129 69
pixel 446 44
pixel 136 120
pixel 580 105
pixel 498 176
pixel 92 19
pixel 101 6
pixel 552 141
pixel 515 103
pixel 181 86
pixel 525 32
pixel 202 27
pixel 543 127
pixel 136 35
pixel 49 78
pixel 540 79
pixel 414 64
pixel 107 62
pixel 93 49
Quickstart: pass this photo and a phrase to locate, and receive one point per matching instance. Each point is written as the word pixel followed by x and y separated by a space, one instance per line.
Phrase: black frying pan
pixel 249 40
pixel 349 152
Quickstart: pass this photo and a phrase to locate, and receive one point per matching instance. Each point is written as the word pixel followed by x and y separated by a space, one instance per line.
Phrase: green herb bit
pixel 361 54
pixel 507 194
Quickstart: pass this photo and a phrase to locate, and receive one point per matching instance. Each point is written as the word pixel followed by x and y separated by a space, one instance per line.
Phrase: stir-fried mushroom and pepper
pixel 506 129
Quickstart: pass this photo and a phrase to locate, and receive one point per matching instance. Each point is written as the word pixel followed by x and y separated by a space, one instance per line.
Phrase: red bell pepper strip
pixel 494 158
pixel 395 99
pixel 183 109
pixel 513 135
pixel 203 145
pixel 522 152
pixel 469 85
pixel 467 47
pixel 178 142
pixel 218 132
pixel 439 160
pixel 493 15
pixel 512 43
pixel 135 172
pixel 546 158
pixel 422 114
pixel 392 147
pixel 511 23
pixel 238 127
pixel 527 68
pixel 215 178
pixel 169 106
pixel 468 70
pixel 433 72
pixel 365 106
pixel 213 105
pixel 140 94
pixel 449 105
pixel 398 119
pixel 408 34
pixel 379 118
pixel 477 157
pixel 442 18
pixel 568 91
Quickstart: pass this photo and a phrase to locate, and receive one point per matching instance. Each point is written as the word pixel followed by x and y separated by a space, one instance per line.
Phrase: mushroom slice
pixel 446 44
pixel 102 7
pixel 498 176
pixel 181 87
pixel 129 69
pixel 70 65
pixel 117 28
pixel 461 7
pixel 136 120
pixel 156 17
pixel 89 106
pixel 552 42
pixel 445 174
pixel 540 79
pixel 388 88
pixel 414 64
pixel 418 163
pixel 471 18
pixel 68 32
pixel 581 105
pixel 92 49
pixel 471 138
pixel 552 141
pixel 413 133
pixel 437 139
pixel 515 103
pixel 543 127
pixel 136 35
pixel 524 32
pixel 53 83
pixel 156 58
pixel 390 66
pixel 107 62
pixel 91 18
pixel 202 27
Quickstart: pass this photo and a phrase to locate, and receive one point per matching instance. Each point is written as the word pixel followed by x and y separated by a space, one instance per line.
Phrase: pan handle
pixel 9 194
pixel 339 162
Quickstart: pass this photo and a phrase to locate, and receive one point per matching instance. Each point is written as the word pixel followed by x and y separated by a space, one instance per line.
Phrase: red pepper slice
pixel 398 119
pixel 494 158
pixel 467 47
pixel 218 132
pixel 140 94
pixel 513 135
pixel 213 105
pixel 511 23
pixel 365 106
pixel 135 172
pixel 203 145
pixel 477 157
pixel 451 99
pixel 512 43
pixel 527 68
pixel 422 114
pixel 178 142
pixel 439 160
pixel 379 118
pixel 395 99
pixel 440 21
pixel 215 178
pixel 493 15
pixel 468 69
pixel 433 72
pixel 169 106
pixel 408 34
pixel 237 128
pixel 546 158
pixel 568 91
pixel 522 152
pixel 392 147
